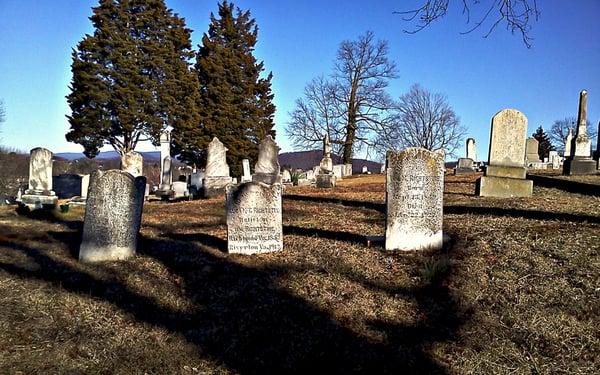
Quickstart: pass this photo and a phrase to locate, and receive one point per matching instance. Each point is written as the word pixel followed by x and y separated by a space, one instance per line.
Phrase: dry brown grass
pixel 515 291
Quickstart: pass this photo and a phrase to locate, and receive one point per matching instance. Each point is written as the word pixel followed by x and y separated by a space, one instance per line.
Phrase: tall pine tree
pixel 545 145
pixel 132 78
pixel 235 102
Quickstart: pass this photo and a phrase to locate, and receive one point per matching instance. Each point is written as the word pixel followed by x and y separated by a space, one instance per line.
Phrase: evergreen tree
pixel 132 78
pixel 545 145
pixel 235 102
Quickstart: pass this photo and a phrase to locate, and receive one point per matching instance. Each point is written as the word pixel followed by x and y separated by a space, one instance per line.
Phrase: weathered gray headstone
pixel 414 199
pixel 216 171
pixel 464 166
pixel 40 194
pixel 254 218
pixel 531 151
pixel 112 216
pixel 166 172
pixel 267 168
pixel 132 162
pixel 166 176
pixel 286 176
pixel 505 173
pixel 554 158
pixel 310 175
pixel 580 161
pixel 471 149
pixel 365 169
pixel 326 165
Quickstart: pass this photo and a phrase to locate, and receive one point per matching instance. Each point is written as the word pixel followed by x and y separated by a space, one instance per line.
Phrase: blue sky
pixel 298 41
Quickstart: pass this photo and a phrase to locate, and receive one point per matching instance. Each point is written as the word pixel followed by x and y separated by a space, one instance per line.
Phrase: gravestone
pixel 365 170
pixel 471 150
pixel 338 171
pixel 505 174
pixel 325 177
pixel 217 171
pixel 166 167
pixel 464 166
pixel 554 159
pixel 112 217
pixel 310 175
pixel 531 151
pixel 132 162
pixel 254 218
pixel 246 176
pixel 414 199
pixel 286 176
pixel 347 170
pixel 568 142
pixel 580 162
pixel 180 190
pixel 39 195
pixel 267 168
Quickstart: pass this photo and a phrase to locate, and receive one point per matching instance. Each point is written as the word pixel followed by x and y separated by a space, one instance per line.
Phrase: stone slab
pixel 325 181
pixel 112 217
pixel 37 202
pixel 502 187
pixel 507 138
pixel 580 166
pixel 505 171
pixel 254 218
pixel 414 199
pixel 214 186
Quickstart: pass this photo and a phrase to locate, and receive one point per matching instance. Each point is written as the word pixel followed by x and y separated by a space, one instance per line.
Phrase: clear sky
pixel 298 41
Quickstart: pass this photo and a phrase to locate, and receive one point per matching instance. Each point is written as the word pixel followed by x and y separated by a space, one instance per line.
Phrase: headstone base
pixel 91 253
pixel 398 240
pixel 215 186
pixel 503 187
pixel 579 166
pixel 267 178
pixel 37 202
pixel 326 181
pixel 506 171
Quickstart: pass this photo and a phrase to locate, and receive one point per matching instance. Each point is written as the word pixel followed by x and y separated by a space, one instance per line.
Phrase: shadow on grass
pixel 461 210
pixel 246 322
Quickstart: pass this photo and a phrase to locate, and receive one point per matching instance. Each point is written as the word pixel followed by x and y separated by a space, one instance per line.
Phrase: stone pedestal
pixel 38 201
pixel 267 178
pixel 464 166
pixel 214 186
pixel 580 165
pixel 326 181
pixel 503 187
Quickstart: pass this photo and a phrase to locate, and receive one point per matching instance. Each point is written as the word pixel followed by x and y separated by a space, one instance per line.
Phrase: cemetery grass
pixel 515 290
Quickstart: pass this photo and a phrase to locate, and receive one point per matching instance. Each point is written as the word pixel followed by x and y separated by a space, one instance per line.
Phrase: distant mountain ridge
pixel 107 155
pixel 304 160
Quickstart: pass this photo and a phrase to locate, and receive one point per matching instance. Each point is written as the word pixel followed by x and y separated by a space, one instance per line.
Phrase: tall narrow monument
pixel 325 177
pixel 505 173
pixel 579 162
pixel 166 172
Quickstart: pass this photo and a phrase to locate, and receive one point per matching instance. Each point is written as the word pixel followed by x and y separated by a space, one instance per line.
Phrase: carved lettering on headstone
pixel 414 196
pixel 254 218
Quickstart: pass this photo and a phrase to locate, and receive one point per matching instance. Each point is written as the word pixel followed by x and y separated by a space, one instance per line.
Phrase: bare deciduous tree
pixel 352 106
pixel 422 119
pixel 517 15
pixel 315 114
pixel 560 129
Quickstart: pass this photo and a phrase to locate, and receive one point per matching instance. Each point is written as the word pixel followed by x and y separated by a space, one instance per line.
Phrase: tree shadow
pixel 323 233
pixel 517 212
pixel 244 320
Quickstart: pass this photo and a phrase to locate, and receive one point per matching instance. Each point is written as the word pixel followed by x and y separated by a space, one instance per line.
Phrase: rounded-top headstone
pixel 40 170
pixel 113 216
pixel 507 139
pixel 414 199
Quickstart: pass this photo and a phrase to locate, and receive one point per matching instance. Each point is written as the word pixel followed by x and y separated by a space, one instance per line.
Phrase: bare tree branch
pixel 516 14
